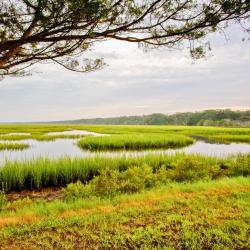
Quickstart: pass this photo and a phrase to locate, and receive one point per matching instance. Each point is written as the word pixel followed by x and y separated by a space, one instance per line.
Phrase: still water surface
pixel 67 147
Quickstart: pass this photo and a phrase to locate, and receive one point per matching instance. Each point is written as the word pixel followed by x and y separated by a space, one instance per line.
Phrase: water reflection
pixel 67 147
pixel 75 132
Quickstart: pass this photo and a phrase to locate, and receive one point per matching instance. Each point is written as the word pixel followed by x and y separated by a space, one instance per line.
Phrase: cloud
pixel 135 82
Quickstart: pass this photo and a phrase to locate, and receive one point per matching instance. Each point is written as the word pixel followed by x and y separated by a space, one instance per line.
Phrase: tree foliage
pixel 61 31
pixel 224 118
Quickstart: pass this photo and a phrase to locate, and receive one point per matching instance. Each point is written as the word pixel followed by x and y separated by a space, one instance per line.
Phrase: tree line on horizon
pixel 224 118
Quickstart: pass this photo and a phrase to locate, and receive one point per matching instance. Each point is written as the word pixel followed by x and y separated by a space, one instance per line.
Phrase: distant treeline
pixel 224 117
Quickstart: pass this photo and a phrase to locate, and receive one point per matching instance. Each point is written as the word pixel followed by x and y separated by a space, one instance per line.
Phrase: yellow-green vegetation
pixel 135 142
pixel 13 146
pixel 231 138
pixel 39 137
pixel 198 215
pixel 38 131
pixel 153 201
pixel 2 199
pixel 53 173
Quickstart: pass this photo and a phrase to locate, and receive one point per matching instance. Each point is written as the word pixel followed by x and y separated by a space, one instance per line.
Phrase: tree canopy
pixel 224 117
pixel 61 31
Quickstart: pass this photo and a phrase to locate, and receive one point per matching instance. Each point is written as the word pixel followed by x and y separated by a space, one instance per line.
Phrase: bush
pixel 77 190
pixel 136 179
pixel 107 183
pixel 188 169
pixel 112 182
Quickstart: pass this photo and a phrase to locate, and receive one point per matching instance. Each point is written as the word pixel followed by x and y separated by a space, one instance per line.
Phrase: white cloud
pixel 134 83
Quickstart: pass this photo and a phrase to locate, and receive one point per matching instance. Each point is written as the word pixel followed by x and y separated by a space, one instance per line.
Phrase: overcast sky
pixel 134 83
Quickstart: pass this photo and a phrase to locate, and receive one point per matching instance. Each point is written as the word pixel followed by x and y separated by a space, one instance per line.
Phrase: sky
pixel 134 82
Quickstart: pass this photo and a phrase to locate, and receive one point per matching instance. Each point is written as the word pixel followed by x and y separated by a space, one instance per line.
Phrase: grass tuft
pixel 14 146
pixel 135 142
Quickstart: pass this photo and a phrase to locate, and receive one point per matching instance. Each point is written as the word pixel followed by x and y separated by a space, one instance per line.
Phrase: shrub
pixel 162 175
pixel 107 183
pixel 77 190
pixel 112 182
pixel 188 169
pixel 136 179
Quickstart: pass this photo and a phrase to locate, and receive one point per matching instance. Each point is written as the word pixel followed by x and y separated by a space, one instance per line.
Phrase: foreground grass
pixel 13 146
pixel 135 142
pixel 199 215
pixel 55 173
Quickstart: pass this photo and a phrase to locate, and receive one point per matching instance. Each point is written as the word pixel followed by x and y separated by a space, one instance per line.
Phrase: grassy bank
pixel 231 138
pixel 135 142
pixel 198 215
pixel 53 173
pixel 39 137
pixel 39 131
pixel 13 146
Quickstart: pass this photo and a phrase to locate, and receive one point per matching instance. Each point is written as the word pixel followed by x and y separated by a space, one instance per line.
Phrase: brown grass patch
pixel 48 194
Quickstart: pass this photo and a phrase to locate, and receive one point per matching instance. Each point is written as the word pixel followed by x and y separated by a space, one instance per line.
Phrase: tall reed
pixel 55 173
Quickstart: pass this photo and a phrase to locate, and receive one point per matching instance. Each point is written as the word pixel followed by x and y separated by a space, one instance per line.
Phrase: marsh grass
pixel 55 173
pixel 40 137
pixel 230 138
pixel 143 202
pixel 13 146
pixel 38 131
pixel 135 142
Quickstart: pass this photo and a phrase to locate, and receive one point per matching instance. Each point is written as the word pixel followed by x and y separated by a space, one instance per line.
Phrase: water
pixel 67 147
pixel 75 132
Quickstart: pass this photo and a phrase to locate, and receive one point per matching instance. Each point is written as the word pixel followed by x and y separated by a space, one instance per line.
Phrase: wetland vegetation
pixel 40 131
pixel 135 142
pixel 56 173
pixel 148 201
pixel 13 146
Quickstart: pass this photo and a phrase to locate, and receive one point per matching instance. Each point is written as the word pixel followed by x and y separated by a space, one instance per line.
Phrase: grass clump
pixel 14 146
pixel 135 142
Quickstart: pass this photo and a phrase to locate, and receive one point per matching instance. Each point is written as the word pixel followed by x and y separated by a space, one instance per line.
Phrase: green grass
pixel 135 142
pixel 231 138
pixel 13 146
pixel 38 131
pixel 55 173
pixel 39 137
pixel 199 215
pixel 143 202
